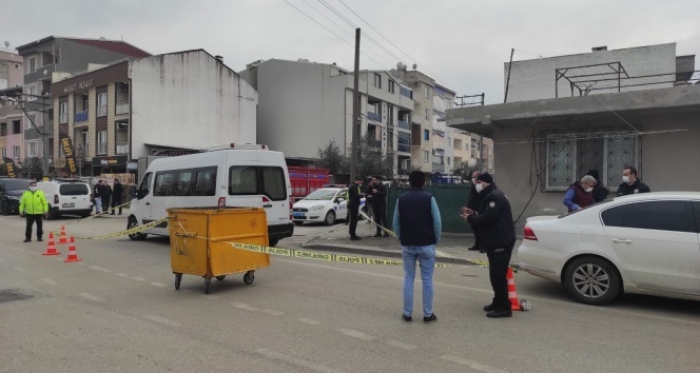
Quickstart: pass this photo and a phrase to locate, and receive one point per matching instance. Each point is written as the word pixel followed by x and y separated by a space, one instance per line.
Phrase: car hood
pixel 306 203
pixel 15 193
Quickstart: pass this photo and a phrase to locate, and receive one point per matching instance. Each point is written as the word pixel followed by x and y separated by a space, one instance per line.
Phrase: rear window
pixel 73 190
pixel 252 180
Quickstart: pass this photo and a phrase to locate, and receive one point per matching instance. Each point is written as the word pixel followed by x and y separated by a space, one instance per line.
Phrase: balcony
pixel 81 116
pixel 63 118
pixel 102 111
pixel 406 92
pixel 404 125
pixel 374 116
pixel 123 148
pixel 122 108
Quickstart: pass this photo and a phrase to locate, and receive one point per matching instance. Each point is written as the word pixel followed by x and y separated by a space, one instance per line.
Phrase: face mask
pixel 32 188
pixel 588 190
pixel 479 187
pixel 625 179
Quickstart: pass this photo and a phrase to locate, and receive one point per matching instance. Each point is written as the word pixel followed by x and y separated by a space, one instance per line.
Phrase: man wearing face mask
pixel 34 206
pixel 580 194
pixel 473 204
pixel 494 220
pixel 631 184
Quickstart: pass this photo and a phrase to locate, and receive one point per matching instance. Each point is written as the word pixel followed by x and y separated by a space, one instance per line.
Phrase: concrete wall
pixel 534 79
pixel 188 100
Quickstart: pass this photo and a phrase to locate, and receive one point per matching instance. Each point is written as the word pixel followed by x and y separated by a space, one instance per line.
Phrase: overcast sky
pixel 461 43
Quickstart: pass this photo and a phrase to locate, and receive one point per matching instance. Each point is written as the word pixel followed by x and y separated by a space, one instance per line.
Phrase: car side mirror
pixel 132 191
pixel 339 200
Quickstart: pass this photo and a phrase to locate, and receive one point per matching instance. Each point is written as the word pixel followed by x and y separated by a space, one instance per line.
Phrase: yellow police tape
pixel 78 221
pixel 127 232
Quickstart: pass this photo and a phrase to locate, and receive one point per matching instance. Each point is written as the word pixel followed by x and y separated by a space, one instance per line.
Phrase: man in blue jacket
pixel 418 226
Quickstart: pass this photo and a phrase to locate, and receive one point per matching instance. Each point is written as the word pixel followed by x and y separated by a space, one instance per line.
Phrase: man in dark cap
pixel 354 206
pixel 494 220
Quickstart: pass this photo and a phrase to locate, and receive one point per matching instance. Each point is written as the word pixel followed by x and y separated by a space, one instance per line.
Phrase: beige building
pixel 422 118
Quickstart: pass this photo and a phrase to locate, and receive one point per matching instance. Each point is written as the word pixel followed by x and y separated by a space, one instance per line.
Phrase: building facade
pixel 11 117
pixel 11 73
pixel 155 105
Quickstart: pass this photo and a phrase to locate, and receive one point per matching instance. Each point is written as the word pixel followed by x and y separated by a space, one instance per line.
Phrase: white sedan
pixel 645 244
pixel 326 205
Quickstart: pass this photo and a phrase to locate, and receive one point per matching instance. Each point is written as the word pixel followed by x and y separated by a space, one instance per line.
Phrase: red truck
pixel 306 180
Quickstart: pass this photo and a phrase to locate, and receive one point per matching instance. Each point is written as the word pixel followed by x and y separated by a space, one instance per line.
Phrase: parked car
pixel 326 205
pixel 67 197
pixel 644 244
pixel 11 191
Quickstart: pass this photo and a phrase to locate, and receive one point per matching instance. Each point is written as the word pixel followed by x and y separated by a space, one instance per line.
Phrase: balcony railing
pixel 123 148
pixel 374 116
pixel 122 108
pixel 81 116
pixel 406 93
pixel 405 125
pixel 102 111
pixel 63 118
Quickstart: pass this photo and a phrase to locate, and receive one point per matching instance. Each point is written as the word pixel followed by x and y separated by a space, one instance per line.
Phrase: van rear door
pixel 74 196
pixel 260 186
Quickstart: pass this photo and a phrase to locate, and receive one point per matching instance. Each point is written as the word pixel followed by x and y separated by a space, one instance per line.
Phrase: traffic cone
pixel 512 294
pixel 72 254
pixel 63 239
pixel 51 246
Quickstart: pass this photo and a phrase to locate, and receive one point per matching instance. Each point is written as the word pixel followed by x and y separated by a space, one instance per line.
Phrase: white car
pixel 326 205
pixel 644 244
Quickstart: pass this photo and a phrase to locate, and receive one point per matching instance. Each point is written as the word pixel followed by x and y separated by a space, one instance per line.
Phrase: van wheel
pixel 135 236
pixel 330 218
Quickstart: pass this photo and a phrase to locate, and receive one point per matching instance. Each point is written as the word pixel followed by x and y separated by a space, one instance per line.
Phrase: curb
pixel 345 249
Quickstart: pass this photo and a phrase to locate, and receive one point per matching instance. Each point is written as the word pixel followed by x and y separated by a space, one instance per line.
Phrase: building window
pixel 392 86
pixel 378 80
pixel 390 139
pixel 570 156
pixel 15 152
pixel 102 104
pixel 3 129
pixel 448 160
pixel 390 114
pixel 427 114
pixel 449 141
pixel 31 65
pixel 101 142
pixel 425 92
pixel 16 127
pixel 32 150
pixel 426 135
pixel 4 152
pixel 426 156
pixel 31 93
pixel 63 112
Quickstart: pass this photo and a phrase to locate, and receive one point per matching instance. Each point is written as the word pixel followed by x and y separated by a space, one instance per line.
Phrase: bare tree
pixel 331 158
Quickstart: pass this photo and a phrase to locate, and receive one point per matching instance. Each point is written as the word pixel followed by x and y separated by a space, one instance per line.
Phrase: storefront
pixel 115 164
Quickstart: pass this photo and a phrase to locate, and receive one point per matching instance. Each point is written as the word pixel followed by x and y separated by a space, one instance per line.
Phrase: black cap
pixel 359 178
pixel 485 177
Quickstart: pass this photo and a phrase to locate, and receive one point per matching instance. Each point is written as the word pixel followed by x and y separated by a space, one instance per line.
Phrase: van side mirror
pixel 133 192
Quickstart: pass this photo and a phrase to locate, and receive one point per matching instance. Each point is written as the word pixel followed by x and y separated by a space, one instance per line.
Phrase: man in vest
pixel 580 194
pixel 34 206
pixel 354 198
pixel 418 226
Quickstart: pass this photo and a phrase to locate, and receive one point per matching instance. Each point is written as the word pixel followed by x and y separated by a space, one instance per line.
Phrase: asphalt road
pixel 117 311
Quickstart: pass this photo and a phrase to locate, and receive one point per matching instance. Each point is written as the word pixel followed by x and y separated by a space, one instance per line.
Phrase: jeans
pixel 426 256
pixel 98 205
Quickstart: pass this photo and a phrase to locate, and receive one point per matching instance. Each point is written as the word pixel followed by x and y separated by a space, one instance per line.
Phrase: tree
pixel 371 161
pixel 331 158
pixel 464 171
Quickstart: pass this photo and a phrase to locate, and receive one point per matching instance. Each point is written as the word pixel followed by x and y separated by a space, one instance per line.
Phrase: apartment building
pixel 11 74
pixel 11 77
pixel 164 104
pixel 423 157
pixel 305 105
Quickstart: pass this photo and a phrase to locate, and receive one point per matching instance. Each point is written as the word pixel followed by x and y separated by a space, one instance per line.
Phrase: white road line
pixel 19 269
pixel 162 320
pixel 304 364
pixel 405 346
pixel 472 364
pixel 308 321
pixel 159 284
pixel 49 281
pixel 138 278
pixel 96 268
pixel 243 306
pixel 356 334
pixel 122 274
pixel 91 297
pixel 272 312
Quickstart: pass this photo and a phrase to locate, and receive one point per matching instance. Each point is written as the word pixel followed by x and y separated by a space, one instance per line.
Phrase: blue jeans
pixel 426 256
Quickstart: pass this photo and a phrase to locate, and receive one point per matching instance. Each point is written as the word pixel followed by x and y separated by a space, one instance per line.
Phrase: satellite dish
pixel 7 44
pixel 398 65
pixel 415 66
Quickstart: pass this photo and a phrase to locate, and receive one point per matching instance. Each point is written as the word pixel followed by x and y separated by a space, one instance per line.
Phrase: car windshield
pixel 322 195
pixel 16 184
pixel 583 209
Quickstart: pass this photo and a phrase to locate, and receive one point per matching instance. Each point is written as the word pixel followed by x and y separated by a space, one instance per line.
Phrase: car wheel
pixel 4 208
pixel 330 218
pixel 135 236
pixel 592 280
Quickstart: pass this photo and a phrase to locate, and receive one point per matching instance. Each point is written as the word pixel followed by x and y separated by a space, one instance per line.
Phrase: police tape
pixel 127 232
pixel 78 221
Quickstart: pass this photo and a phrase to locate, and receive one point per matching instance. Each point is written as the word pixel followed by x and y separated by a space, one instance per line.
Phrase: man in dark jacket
pixel 494 219
pixel 600 192
pixel 377 190
pixel 473 204
pixel 631 184
pixel 354 198
pixel 117 196
pixel 106 193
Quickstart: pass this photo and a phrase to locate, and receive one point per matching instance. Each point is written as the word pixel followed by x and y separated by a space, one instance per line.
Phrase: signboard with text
pixel 69 152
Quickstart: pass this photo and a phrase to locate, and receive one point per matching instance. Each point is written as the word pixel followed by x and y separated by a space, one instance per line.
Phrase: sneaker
pixel 355 238
pixel 429 318
pixel 407 318
pixel 497 314
pixel 490 307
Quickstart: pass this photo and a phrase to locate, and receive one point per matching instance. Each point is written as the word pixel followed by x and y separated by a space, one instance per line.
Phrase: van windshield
pixel 73 190
pixel 322 195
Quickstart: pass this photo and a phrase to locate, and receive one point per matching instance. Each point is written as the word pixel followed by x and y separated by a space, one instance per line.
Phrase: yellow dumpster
pixel 199 242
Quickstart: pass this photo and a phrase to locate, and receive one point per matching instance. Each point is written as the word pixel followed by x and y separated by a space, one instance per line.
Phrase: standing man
pixel 106 194
pixel 630 183
pixel 494 220
pixel 377 191
pixel 354 206
pixel 34 206
pixel 473 204
pixel 117 196
pixel 418 225
pixel 97 197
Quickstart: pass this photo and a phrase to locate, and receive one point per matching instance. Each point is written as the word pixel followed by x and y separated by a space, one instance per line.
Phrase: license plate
pixel 298 214
pixel 68 205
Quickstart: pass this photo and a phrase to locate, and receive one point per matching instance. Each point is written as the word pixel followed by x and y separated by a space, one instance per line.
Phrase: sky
pixel 463 44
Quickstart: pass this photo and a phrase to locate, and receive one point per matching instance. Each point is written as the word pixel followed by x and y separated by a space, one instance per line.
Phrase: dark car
pixel 11 191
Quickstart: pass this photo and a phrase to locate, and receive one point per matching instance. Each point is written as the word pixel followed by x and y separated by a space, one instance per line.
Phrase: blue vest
pixel 416 218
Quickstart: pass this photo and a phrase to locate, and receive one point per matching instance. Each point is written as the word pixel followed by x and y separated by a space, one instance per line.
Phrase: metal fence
pixel 450 199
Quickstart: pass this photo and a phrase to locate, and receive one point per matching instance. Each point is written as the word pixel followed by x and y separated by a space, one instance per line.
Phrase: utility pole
pixel 356 105
pixel 510 64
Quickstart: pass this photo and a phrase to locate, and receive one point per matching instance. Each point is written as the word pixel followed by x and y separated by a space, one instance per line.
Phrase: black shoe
pixel 407 318
pixel 355 238
pixel 377 235
pixel 27 240
pixel 497 314
pixel 429 318
pixel 474 248
pixel 39 239
pixel 490 307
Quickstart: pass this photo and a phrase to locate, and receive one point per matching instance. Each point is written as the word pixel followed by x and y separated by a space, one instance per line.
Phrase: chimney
pixel 600 49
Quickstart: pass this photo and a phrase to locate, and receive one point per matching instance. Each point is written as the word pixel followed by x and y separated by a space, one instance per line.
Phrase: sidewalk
pixel 452 249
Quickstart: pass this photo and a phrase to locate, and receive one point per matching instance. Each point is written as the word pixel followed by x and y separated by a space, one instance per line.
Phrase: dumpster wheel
pixel 220 278
pixel 249 277
pixel 178 279
pixel 207 285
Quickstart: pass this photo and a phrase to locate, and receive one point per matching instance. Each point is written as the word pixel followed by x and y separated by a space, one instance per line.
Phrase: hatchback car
pixel 645 244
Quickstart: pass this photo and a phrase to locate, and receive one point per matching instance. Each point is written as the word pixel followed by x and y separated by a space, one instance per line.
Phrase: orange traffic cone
pixel 51 246
pixel 512 294
pixel 63 239
pixel 72 254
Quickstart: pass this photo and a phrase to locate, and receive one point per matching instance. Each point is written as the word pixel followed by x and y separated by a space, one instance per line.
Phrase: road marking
pixel 272 312
pixel 162 320
pixel 305 364
pixel 96 268
pixel 405 346
pixel 308 321
pixel 91 297
pixel 159 284
pixel 243 306
pixel 19 269
pixel 472 364
pixel 122 274
pixel 356 334
pixel 138 278
pixel 49 281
